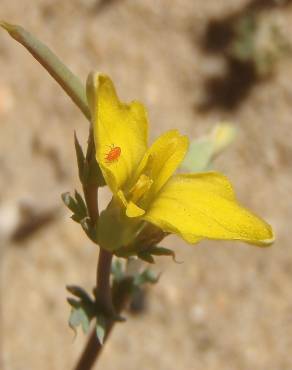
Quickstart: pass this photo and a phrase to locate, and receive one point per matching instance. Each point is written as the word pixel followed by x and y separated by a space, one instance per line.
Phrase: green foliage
pixel 148 253
pixel 76 205
pixel 82 309
pixel 86 309
pixel 80 158
pixel 79 293
pixel 147 276
pixel 203 150
pixel 138 278
pixel 80 214
pixel 117 270
pixel 89 171
pixel 79 316
pixel 88 168
pixel 100 328
pixel 65 78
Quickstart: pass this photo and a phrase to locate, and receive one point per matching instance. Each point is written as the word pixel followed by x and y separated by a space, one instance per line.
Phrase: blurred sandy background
pixel 229 306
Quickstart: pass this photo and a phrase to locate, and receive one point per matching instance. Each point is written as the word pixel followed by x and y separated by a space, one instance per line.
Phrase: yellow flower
pixel 141 178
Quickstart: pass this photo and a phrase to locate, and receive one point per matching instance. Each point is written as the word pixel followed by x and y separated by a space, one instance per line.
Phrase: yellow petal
pixel 120 131
pixel 163 158
pixel 201 206
pixel 133 210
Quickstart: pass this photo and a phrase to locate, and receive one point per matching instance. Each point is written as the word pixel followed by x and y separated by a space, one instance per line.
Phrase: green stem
pixel 104 295
pixel 103 287
pixel 93 347
pixel 121 293
pixel 65 78
pixel 90 190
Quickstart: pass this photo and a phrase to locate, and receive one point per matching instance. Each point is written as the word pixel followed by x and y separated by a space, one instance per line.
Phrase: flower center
pixel 141 187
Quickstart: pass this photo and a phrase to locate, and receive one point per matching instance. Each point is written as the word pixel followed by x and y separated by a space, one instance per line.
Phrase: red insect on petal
pixel 114 154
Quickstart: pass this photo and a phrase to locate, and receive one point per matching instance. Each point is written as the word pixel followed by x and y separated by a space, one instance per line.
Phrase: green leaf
pixel 77 206
pixel 199 155
pixel 92 174
pixel 125 253
pixel 80 158
pixel 161 251
pixel 83 309
pixel 80 215
pixel 65 78
pixel 202 151
pixel 148 253
pixel 81 205
pixel 145 256
pixel 70 202
pixel 117 270
pixel 147 276
pixel 222 135
pixel 80 293
pixel 100 328
pixel 79 316
pixel 89 229
pixel 73 302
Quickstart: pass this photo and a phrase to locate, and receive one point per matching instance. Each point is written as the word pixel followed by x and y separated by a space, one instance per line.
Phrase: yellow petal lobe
pixel 162 159
pixel 120 131
pixel 133 210
pixel 198 206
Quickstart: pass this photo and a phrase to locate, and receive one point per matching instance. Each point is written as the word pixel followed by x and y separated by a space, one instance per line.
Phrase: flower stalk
pixel 49 60
pixel 103 288
pixel 103 291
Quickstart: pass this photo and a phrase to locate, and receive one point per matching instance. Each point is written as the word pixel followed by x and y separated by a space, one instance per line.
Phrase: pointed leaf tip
pixel 7 26
pixel 80 158
pixel 100 328
pixel 58 70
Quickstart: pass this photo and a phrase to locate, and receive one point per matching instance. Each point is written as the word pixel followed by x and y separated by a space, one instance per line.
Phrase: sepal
pixel 88 168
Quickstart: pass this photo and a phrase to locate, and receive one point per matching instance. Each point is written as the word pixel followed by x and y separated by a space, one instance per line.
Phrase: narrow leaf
pixel 79 292
pixel 65 78
pixel 89 230
pixel 161 251
pixel 117 270
pixel 77 206
pixel 78 316
pixel 93 174
pixel 80 158
pixel 81 204
pixel 199 155
pixel 73 302
pixel 69 202
pixel 100 328
pixel 145 256
pixel 147 276
pixel 203 150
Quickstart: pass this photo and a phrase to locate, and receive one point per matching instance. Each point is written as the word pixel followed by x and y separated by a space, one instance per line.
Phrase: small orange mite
pixel 114 154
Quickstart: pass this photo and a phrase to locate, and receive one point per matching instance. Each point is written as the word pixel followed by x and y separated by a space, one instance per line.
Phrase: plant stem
pixel 103 293
pixel 93 347
pixel 62 74
pixel 103 288
pixel 89 354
